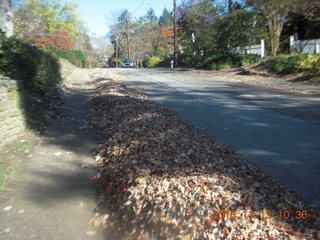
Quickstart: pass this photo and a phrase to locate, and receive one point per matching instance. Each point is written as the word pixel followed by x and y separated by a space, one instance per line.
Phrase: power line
pixel 139 6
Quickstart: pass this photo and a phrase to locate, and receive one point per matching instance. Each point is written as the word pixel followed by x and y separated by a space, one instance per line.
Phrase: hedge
pixel 287 64
pixel 38 70
pixel 221 61
pixel 76 57
pixel 152 62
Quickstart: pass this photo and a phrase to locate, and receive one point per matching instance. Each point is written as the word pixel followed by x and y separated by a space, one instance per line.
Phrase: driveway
pixel 277 130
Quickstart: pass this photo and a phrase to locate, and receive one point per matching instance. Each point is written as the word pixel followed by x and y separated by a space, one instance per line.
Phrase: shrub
pixel 189 59
pixel 166 62
pixel 48 74
pixel 225 61
pixel 287 64
pixel 76 57
pixel 152 62
pixel 164 56
pixel 221 66
pixel 221 61
pixel 38 70
pixel 315 69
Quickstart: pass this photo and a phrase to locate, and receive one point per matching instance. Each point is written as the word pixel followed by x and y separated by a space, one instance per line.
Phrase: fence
pixel 296 46
pixel 304 46
pixel 253 49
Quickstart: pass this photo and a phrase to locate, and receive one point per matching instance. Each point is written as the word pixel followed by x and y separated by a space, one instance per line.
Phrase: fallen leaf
pixel 91 233
pixel 8 208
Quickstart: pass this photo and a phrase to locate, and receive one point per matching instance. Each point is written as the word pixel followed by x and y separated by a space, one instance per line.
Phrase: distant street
pixel 278 131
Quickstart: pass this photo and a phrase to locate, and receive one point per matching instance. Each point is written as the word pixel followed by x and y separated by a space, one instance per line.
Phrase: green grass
pixel 10 161
pixel 8 170
pixel 24 148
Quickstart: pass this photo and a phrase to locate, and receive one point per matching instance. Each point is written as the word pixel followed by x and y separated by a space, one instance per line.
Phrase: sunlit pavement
pixel 277 131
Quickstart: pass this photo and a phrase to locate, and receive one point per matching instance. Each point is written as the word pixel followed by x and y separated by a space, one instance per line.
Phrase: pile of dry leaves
pixel 165 179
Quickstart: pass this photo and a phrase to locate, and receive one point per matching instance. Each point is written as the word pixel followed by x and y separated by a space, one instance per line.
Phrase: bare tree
pixel 275 12
pixel 102 50
pixel 310 9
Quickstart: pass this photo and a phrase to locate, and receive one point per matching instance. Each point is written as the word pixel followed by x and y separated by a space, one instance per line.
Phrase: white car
pixel 127 63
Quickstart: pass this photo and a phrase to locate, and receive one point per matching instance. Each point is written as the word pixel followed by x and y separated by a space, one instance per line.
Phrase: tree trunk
pixel 128 40
pixel 275 26
pixel 175 41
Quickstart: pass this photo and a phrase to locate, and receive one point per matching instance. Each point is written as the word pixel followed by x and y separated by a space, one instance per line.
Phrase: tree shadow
pixel 146 142
pixel 71 132
pixel 65 156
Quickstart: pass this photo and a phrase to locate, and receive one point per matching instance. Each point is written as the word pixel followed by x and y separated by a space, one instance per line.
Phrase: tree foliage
pixel 209 28
pixel 166 18
pixel 197 18
pixel 37 18
pixel 50 24
pixel 38 70
pixel 275 13
pixel 144 30
pixel 59 40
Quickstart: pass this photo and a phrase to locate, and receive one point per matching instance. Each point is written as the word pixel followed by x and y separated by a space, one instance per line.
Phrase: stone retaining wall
pixel 12 121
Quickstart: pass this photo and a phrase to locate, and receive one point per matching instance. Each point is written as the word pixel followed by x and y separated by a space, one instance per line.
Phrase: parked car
pixel 127 63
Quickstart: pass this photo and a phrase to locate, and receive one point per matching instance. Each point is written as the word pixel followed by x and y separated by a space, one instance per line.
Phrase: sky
pixel 97 12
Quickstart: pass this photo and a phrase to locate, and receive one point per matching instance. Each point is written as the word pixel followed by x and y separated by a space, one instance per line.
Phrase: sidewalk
pixel 53 197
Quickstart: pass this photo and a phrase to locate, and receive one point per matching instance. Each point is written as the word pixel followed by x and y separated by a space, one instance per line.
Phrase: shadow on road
pixel 126 113
pixel 54 188
pixel 57 177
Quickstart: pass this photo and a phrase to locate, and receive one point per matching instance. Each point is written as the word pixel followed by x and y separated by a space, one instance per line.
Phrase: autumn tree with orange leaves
pixel 59 40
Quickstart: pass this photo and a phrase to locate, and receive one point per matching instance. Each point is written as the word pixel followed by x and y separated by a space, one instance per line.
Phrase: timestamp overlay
pixel 263 214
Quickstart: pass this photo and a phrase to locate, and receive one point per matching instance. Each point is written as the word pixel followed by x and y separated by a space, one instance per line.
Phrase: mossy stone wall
pixel 12 120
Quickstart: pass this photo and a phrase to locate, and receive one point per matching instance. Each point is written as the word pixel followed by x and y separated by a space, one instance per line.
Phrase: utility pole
pixel 230 6
pixel 117 52
pixel 128 42
pixel 175 47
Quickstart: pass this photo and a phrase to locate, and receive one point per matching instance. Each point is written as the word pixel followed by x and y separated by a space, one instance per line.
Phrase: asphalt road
pixel 278 131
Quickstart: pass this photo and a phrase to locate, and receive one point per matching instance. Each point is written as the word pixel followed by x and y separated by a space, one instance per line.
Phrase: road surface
pixel 278 131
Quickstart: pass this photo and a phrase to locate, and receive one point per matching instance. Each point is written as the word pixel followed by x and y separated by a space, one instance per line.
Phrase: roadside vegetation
pixel 44 32
pixel 152 62
pixel 55 27
pixel 213 35
pixel 217 62
pixel 287 64
pixel 38 70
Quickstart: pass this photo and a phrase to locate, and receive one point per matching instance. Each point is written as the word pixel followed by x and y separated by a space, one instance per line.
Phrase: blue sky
pixel 95 12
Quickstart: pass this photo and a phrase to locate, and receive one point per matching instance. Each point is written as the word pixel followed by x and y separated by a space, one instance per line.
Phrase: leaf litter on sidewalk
pixel 164 178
